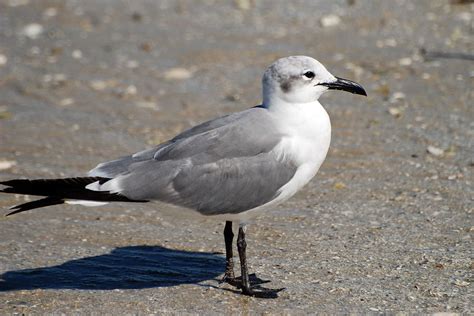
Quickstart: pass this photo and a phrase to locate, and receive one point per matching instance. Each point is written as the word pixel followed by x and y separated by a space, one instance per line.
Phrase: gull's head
pixel 301 79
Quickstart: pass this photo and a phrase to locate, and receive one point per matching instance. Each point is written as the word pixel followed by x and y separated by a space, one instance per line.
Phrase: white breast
pixel 307 130
pixel 308 134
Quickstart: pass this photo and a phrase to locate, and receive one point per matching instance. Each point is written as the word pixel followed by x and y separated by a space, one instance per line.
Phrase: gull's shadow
pixel 134 267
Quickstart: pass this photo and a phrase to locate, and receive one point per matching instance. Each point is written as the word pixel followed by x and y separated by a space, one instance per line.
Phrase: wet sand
pixel 385 226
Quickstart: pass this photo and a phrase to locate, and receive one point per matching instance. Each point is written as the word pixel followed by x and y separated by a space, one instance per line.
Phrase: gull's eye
pixel 308 75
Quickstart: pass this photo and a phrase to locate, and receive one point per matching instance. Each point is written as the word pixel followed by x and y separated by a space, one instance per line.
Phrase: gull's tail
pixel 59 191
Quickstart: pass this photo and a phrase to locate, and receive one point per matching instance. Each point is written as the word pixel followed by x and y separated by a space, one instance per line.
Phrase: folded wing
pixel 228 165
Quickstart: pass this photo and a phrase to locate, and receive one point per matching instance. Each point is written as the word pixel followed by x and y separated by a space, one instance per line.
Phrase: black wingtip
pixel 14 182
pixel 14 210
pixel 47 201
pixel 56 191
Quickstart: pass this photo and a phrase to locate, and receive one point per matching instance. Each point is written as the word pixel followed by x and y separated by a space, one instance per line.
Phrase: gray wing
pixel 121 165
pixel 215 169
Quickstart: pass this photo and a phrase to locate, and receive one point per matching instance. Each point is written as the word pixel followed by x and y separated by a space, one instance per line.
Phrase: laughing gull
pixel 231 167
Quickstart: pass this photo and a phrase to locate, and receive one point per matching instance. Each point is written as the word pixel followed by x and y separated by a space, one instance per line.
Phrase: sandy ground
pixel 386 226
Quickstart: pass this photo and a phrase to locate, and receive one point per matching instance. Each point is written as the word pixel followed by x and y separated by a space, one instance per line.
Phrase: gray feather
pixel 203 168
pixel 231 185
pixel 121 165
pixel 116 167
pixel 112 168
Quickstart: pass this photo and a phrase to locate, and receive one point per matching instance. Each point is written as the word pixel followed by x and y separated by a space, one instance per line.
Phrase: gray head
pixel 301 79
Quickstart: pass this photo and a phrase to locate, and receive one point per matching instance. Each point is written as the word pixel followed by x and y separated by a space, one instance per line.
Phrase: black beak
pixel 346 85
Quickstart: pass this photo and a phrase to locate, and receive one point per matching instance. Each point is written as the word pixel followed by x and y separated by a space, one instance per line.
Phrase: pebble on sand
pixel 461 283
pixel 435 151
pixel 147 105
pixel 339 185
pixel 330 20
pixel 76 54
pixel 98 85
pixel 3 60
pixel 33 30
pixel 178 74
pixel 6 164
pixel 243 4
pixel 66 102
pixel 396 96
pixel 396 112
pixel 406 61
pixel 50 12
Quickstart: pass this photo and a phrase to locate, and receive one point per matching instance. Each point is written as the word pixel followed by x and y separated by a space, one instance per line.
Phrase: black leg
pixel 258 290
pixel 229 276
pixel 241 247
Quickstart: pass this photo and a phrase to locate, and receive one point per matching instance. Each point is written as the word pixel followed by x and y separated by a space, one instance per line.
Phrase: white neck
pixel 311 114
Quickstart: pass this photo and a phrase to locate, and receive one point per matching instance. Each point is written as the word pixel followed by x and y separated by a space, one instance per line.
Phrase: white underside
pixel 85 203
